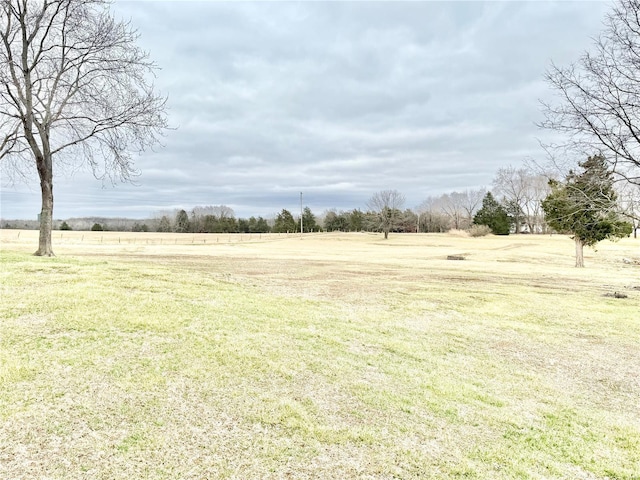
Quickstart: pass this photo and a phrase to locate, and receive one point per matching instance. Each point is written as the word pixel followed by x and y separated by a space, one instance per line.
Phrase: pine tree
pixel 182 224
pixel 493 215
pixel 585 205
pixel 309 220
pixel 284 223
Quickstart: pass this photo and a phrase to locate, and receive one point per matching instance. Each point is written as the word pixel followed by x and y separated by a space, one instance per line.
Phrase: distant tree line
pixel 210 219
pixel 513 205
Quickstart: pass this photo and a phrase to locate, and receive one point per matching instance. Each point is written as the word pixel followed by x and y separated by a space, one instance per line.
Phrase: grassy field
pixel 336 356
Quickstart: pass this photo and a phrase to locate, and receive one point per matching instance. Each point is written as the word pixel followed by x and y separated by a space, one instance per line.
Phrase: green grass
pixel 289 365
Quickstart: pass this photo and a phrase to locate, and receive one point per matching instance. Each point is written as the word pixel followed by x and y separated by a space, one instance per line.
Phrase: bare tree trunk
pixel 386 234
pixel 579 253
pixel 45 171
pixel 530 227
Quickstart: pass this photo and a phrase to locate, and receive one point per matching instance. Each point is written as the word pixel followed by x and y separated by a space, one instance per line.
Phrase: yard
pixel 338 356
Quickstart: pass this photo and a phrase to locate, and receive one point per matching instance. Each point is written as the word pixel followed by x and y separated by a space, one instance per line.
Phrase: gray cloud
pixel 338 100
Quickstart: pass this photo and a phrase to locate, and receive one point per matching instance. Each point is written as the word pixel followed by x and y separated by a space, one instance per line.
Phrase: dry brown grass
pixel 329 356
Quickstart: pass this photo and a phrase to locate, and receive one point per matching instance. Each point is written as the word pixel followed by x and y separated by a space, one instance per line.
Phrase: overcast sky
pixel 337 100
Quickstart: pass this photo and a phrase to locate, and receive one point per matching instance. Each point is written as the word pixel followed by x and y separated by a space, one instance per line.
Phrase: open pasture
pixel 134 355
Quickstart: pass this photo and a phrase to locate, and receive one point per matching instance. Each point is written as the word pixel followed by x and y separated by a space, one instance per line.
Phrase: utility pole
pixel 301 231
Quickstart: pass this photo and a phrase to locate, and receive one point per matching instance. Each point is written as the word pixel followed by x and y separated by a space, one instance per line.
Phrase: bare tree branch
pixel 598 107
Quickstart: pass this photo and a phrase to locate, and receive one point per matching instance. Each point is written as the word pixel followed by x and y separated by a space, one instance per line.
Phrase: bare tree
pixel 430 216
pixel 223 212
pixel 472 201
pixel 387 206
pixel 75 88
pixel 511 184
pixel 629 199
pixel 536 190
pixel 453 206
pixel 599 96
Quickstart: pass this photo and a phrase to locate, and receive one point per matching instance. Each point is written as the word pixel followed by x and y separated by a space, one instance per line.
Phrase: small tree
pixel 96 227
pixel 65 226
pixel 585 205
pixel 309 220
pixel 493 215
pixel 284 222
pixel 386 205
pixel 182 224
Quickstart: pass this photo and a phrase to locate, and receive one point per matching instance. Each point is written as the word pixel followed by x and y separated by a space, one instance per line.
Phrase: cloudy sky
pixel 337 100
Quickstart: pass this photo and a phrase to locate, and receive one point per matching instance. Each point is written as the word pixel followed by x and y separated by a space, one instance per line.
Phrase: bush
pixel 65 226
pixel 96 227
pixel 479 230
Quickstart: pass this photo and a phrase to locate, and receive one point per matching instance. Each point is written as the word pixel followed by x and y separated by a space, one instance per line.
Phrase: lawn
pixel 337 356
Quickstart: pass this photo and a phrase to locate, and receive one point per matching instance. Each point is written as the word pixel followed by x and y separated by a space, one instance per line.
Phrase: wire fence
pixel 69 237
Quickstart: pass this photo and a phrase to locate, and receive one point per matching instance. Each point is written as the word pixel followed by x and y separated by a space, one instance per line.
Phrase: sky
pixel 334 100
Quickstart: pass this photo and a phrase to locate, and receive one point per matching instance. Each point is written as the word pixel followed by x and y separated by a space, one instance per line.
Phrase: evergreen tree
pixel 260 226
pixel 334 221
pixel 585 205
pixel 309 220
pixel 284 222
pixel 493 215
pixel 210 224
pixel 182 224
pixel 256 225
pixel 356 220
pixel 244 226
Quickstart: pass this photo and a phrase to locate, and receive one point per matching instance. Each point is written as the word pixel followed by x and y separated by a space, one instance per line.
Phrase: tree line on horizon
pixel 513 205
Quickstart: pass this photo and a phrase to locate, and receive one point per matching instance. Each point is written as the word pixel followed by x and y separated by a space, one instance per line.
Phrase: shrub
pixel 479 230
pixel 96 227
pixel 65 226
